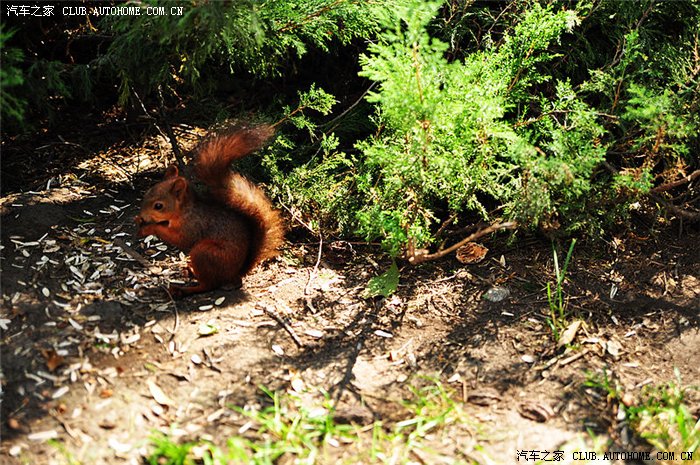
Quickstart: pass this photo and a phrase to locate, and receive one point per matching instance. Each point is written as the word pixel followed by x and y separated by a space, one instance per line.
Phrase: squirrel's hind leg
pixel 213 263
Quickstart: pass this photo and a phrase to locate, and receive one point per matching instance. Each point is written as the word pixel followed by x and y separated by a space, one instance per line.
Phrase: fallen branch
pixel 671 185
pixel 419 257
pixel 683 213
pixel 686 214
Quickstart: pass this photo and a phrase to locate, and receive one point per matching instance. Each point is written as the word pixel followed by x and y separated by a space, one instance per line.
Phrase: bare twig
pixel 348 109
pixel 415 259
pixel 671 185
pixel 283 323
pixel 682 213
pixel 169 130
pixel 133 254
pixel 296 218
pixel 688 215
pixel 314 272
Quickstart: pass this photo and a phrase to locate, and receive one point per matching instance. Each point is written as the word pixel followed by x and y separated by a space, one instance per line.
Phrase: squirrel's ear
pixel 179 188
pixel 171 172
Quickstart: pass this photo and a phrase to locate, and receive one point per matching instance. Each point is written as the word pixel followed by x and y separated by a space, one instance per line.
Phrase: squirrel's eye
pixel 158 206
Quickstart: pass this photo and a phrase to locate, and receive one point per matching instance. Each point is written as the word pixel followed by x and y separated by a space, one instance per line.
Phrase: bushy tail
pixel 212 167
pixel 215 155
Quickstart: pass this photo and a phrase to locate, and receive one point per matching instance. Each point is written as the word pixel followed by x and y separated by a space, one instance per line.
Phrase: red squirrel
pixel 226 232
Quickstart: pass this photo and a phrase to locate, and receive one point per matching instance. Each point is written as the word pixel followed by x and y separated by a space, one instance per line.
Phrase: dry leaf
pixel 569 334
pixel 538 412
pixel 278 349
pixel 14 424
pixel 613 348
pixel 484 396
pixel 297 384
pixel 53 360
pixel 471 252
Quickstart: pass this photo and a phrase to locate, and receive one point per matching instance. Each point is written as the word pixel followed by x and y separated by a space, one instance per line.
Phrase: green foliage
pixel 557 305
pixel 510 126
pixel 448 138
pixel 661 415
pixel 558 115
pixel 290 427
pixel 663 418
pixel 316 188
pixel 314 99
pixel 256 37
pixel 645 77
pixel 167 452
pixel 31 92
pixel 12 106
pixel 385 284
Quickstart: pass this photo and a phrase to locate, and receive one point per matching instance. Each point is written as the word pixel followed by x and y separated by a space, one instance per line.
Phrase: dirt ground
pixel 96 356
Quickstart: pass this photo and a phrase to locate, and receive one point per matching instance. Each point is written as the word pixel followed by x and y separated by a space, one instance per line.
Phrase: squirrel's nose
pixel 138 219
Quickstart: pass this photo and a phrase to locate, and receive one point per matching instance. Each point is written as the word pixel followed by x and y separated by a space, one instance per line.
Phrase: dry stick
pixel 297 219
pixel 415 259
pixel 314 272
pixel 348 109
pixel 671 185
pixel 689 215
pixel 177 316
pixel 133 254
pixel 283 323
pixel 169 130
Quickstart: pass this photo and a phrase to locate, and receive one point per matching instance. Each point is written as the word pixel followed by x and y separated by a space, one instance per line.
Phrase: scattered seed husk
pixel 158 394
pixel 60 392
pixel 43 435
pixel 119 447
pixel 298 384
pixel 207 329
pixel 277 349
pixel 314 333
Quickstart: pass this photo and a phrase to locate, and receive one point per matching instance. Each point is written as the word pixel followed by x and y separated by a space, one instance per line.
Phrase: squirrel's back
pixel 212 166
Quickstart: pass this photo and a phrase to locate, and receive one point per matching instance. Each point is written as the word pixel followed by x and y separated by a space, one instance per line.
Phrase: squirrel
pixel 227 231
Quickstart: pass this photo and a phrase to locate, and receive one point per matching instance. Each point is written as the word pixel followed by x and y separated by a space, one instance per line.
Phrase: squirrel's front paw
pixel 177 292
